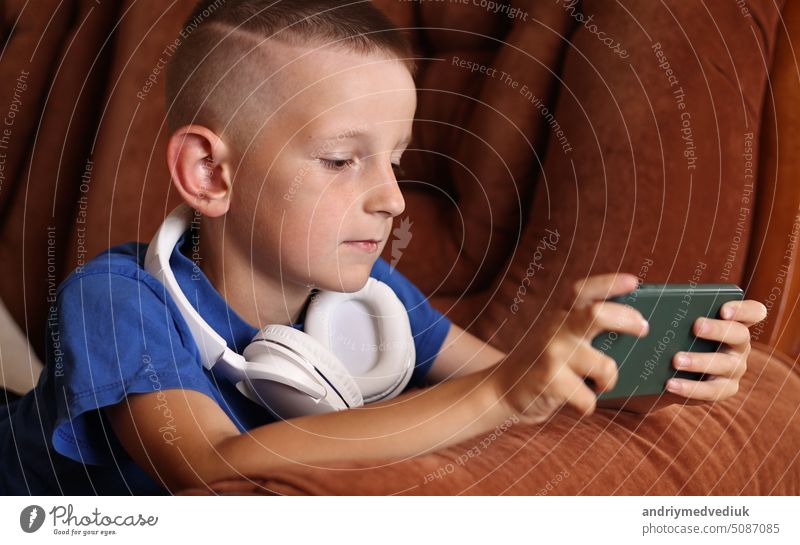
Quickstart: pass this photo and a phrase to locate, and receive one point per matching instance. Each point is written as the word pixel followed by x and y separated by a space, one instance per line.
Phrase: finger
pixel 707 390
pixel 575 392
pixel 591 363
pixel 723 364
pixel 724 331
pixel 609 316
pixel 603 286
pixel 748 312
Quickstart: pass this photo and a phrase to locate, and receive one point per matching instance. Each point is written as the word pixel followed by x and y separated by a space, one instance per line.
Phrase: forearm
pixel 461 354
pixel 411 424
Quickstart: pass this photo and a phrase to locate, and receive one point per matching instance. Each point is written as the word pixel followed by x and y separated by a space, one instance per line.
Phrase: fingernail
pixel 673 385
pixel 702 327
pixel 727 312
pixel 682 361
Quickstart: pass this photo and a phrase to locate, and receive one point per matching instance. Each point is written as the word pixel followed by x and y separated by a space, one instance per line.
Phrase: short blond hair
pixel 217 33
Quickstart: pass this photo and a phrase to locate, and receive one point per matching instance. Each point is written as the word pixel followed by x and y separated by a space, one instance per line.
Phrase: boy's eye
pixel 339 164
pixel 336 164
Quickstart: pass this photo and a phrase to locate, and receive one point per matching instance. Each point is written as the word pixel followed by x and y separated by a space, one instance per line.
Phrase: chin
pixel 347 279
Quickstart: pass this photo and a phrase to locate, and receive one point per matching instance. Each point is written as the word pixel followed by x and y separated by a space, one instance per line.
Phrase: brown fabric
pixel 624 198
pixel 773 253
pixel 500 185
pixel 747 444
pixel 56 63
pixel 475 139
pixel 486 181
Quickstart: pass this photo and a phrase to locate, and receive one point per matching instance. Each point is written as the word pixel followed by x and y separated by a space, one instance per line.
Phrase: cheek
pixel 326 214
pixel 307 210
pixel 316 225
pixel 326 228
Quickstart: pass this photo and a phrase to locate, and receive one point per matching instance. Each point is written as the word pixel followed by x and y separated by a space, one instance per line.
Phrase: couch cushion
pixel 656 176
pixel 745 445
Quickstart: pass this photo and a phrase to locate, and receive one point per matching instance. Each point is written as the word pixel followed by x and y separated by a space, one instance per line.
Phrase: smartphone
pixel 645 363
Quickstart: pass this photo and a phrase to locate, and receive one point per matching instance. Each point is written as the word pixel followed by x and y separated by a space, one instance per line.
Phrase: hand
pixel 548 369
pixel 728 364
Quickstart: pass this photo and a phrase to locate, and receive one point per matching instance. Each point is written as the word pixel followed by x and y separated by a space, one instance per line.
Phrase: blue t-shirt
pixel 113 330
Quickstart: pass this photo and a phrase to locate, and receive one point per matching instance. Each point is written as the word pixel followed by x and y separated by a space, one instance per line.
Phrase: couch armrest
pixel 771 273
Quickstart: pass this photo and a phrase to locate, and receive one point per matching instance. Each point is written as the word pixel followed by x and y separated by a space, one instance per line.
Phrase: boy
pixel 286 122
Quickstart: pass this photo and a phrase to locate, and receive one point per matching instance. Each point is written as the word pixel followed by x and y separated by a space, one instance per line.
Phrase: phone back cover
pixel 645 363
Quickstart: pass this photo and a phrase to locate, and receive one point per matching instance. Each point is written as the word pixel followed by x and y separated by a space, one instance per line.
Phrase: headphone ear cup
pixel 311 357
pixel 274 380
pixel 375 317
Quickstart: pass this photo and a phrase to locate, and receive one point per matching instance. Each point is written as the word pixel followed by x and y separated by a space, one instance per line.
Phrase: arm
pixel 461 354
pixel 545 373
pixel 206 446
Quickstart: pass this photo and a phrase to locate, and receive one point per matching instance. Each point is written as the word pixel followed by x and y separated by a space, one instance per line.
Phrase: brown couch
pixel 670 179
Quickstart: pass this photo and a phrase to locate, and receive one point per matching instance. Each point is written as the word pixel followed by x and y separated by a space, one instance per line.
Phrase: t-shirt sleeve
pixel 113 336
pixel 428 326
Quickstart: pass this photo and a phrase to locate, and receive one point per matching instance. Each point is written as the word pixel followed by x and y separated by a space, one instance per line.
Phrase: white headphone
pixel 294 373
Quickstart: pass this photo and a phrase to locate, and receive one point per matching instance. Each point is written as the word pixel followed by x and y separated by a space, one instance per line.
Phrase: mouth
pixel 369 245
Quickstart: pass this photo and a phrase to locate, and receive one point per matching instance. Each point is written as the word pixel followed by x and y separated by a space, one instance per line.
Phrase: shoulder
pixel 110 319
pixel 108 291
pixel 390 276
pixel 129 255
pixel 120 266
pixel 424 317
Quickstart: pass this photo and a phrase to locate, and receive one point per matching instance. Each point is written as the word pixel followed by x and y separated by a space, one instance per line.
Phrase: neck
pixel 256 297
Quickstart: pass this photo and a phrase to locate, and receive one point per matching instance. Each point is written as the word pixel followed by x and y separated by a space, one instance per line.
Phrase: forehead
pixel 327 87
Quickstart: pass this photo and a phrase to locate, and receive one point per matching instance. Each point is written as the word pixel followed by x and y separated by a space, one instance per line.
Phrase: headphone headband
pixel 213 347
pixel 291 372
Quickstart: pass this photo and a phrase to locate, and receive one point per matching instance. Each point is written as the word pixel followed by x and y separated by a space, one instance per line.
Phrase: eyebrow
pixel 353 134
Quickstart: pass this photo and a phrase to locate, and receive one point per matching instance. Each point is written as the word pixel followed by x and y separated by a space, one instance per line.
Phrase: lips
pixel 367 245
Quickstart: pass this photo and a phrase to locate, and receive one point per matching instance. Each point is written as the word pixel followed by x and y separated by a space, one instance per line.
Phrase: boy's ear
pixel 199 163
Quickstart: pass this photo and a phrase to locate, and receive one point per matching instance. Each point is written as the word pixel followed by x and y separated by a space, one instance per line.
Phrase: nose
pixel 385 195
